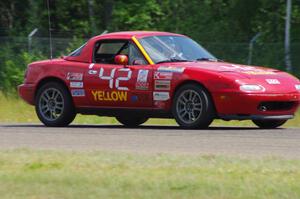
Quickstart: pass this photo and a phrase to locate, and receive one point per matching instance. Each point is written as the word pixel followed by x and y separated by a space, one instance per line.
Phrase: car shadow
pixel 117 126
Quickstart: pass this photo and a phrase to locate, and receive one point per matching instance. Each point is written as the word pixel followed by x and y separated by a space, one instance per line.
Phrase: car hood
pixel 225 67
pixel 273 80
pixel 237 71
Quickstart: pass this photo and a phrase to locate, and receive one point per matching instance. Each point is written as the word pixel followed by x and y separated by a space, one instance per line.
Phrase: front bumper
pixel 26 92
pixel 246 105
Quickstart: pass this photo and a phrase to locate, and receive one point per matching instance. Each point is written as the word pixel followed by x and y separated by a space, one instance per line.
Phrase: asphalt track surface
pixel 231 141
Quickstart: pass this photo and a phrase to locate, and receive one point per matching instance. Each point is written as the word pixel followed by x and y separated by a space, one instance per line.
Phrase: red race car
pixel 138 75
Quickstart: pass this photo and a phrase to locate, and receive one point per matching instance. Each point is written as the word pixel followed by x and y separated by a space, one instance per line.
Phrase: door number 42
pixel 111 77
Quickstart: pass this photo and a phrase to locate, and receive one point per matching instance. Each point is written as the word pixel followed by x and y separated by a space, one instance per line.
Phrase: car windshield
pixel 174 49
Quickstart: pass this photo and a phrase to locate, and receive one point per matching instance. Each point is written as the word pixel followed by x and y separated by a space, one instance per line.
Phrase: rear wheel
pixel 54 106
pixel 192 107
pixel 130 121
pixel 268 124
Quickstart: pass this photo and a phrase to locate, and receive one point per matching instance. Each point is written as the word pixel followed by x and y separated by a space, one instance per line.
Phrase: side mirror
pixel 121 59
pixel 138 62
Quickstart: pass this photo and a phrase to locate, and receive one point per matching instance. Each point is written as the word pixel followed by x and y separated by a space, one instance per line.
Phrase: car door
pixel 142 82
pixel 111 85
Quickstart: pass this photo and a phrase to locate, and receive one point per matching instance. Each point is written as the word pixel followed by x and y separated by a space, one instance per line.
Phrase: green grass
pixel 56 174
pixel 15 110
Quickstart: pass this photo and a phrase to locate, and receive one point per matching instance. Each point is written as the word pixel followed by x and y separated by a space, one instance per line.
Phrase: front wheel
pixel 131 121
pixel 54 105
pixel 268 124
pixel 192 107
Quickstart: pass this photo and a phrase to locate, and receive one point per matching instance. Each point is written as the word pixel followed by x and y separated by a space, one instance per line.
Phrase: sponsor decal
pixel 273 81
pixel 74 76
pixel 170 69
pixel 142 76
pixel 134 98
pixel 92 72
pixel 238 67
pixel 116 96
pixel 141 82
pixel 162 84
pixel 161 96
pixel 258 72
pixel 142 85
pixel 163 75
pixel 77 93
pixel 250 70
pixel 141 97
pixel 76 84
pixel 91 65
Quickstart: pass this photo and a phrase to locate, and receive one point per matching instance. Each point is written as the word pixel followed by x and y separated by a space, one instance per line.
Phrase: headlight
pixel 297 86
pixel 251 87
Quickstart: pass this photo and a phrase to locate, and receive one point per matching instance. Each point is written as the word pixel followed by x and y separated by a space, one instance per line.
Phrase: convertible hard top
pixel 87 50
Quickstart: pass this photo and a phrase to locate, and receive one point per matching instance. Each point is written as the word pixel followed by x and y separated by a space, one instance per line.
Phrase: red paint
pixel 221 79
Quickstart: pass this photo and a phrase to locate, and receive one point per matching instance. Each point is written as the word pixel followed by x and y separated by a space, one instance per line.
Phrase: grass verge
pixel 15 110
pixel 59 174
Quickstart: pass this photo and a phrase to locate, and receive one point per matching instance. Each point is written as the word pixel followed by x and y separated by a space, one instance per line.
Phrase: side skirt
pixel 113 112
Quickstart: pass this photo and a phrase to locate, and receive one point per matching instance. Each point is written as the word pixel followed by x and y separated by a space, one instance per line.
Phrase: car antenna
pixel 49 27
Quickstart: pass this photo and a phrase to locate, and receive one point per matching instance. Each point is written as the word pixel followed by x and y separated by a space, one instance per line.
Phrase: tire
pixel 131 121
pixel 54 105
pixel 268 124
pixel 192 107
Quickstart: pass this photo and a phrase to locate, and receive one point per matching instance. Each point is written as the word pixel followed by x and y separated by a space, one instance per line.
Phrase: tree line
pixel 223 26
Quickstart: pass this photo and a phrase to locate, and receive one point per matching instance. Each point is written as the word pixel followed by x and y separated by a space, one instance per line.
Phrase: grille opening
pixel 275 106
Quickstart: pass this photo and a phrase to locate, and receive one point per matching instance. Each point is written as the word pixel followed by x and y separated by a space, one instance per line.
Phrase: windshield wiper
pixel 172 60
pixel 208 59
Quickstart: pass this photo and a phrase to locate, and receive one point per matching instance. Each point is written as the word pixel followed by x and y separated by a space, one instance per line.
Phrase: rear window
pixel 105 51
pixel 109 48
